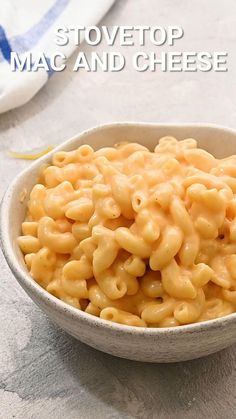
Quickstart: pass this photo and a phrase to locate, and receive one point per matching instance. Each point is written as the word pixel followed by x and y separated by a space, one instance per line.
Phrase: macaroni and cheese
pixel 137 237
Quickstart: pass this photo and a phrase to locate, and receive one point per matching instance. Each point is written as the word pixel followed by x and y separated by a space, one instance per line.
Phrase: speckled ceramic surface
pixel 151 345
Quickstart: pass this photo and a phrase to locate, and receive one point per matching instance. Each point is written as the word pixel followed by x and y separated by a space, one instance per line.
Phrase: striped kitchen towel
pixel 29 26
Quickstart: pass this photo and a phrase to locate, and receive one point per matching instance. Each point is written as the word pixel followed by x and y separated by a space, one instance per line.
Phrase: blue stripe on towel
pixel 6 50
pixel 50 71
pixel 25 42
pixel 5 47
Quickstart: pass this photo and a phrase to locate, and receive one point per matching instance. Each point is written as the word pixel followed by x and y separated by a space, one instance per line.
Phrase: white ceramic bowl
pixel 151 345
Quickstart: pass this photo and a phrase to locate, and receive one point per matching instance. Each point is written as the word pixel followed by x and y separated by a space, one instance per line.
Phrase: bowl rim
pixel 64 309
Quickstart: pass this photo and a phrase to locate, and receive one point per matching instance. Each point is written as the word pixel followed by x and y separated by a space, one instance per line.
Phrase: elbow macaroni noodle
pixel 136 237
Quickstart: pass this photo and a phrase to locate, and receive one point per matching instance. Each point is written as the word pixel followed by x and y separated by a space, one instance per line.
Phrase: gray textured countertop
pixel 44 373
